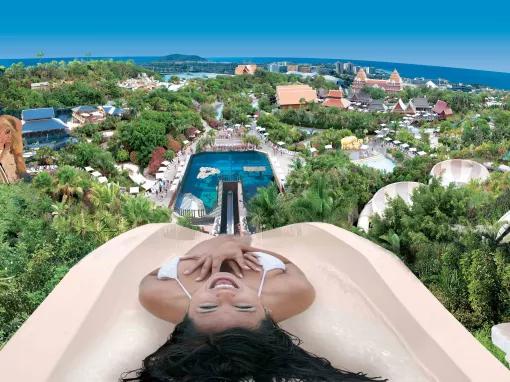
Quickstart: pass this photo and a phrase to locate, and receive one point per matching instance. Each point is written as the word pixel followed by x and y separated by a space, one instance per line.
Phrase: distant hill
pixel 183 57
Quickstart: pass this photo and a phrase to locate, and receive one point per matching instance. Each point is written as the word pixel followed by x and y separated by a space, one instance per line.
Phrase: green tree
pixel 483 284
pixel 265 210
pixel 374 93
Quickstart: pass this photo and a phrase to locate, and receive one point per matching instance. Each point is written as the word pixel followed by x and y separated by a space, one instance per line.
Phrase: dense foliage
pixel 320 117
pixel 447 237
pixel 328 188
pixel 49 225
pixel 71 84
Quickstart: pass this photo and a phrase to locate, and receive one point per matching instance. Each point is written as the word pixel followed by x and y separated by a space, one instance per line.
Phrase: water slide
pixel 459 171
pixel 381 199
pixel 230 213
pixel 229 207
pixel 371 313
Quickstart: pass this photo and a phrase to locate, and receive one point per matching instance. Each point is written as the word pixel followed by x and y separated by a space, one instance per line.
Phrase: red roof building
pixel 341 103
pixel 410 108
pixel 335 99
pixel 399 107
pixel 245 69
pixel 295 96
pixel 392 85
pixel 335 94
pixel 442 109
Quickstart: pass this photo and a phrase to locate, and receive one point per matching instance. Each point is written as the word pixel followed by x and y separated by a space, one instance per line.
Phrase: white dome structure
pixel 459 172
pixel 381 198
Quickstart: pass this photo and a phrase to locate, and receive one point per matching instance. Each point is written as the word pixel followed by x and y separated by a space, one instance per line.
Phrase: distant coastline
pixel 498 80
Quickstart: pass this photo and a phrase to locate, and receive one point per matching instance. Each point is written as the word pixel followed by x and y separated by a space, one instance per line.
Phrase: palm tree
pixel 264 209
pixel 393 241
pixel 106 197
pixel 320 203
pixel 40 55
pixel 139 210
pixel 69 183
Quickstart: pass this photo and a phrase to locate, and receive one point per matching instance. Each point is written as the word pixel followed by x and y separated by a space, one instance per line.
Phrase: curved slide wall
pixel 382 197
pixel 371 313
pixel 459 171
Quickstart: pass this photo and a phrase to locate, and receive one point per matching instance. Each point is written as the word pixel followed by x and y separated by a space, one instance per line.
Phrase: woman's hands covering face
pixel 211 254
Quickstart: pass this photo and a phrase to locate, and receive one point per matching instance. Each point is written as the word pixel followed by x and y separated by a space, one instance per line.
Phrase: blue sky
pixel 448 33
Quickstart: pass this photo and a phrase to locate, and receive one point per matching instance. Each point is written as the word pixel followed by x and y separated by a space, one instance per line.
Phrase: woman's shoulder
pixel 287 293
pixel 162 298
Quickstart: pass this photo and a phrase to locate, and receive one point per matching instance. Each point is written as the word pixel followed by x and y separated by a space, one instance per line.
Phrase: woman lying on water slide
pixel 226 298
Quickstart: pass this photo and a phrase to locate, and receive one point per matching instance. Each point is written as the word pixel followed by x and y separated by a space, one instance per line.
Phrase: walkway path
pixel 280 160
pixel 163 199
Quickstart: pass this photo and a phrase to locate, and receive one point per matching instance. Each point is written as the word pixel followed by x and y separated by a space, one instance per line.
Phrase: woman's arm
pixel 163 298
pixel 287 294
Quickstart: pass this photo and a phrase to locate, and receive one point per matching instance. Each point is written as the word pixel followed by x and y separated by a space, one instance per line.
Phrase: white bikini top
pixel 268 263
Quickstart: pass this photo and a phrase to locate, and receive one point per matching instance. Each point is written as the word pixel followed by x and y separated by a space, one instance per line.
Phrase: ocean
pixel 499 80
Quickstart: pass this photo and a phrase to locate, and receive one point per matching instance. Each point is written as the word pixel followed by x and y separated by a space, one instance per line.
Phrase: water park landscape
pixel 380 190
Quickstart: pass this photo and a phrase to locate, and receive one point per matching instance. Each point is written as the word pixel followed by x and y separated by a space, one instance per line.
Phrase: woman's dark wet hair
pixel 266 354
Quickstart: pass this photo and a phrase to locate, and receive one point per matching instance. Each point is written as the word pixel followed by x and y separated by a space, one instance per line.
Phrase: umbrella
pixel 405 145
pixel 266 134
pixel 412 149
pixel 185 142
pixel 397 142
pixel 328 147
pixel 262 129
pixel 89 169
pixel 422 153
pixel 382 124
pixel 380 136
pixel 134 190
pixel 191 202
pixel 96 174
pixel 102 179
pixel 280 143
pixel 387 139
pixel 162 169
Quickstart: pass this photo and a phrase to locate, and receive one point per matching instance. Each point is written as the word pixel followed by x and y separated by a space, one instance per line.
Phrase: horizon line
pixel 259 57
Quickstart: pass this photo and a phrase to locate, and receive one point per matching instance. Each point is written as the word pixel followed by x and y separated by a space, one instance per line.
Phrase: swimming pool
pixel 231 165
pixel 379 162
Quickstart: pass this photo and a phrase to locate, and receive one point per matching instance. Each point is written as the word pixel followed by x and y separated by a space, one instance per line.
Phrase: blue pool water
pixel 379 162
pixel 230 164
